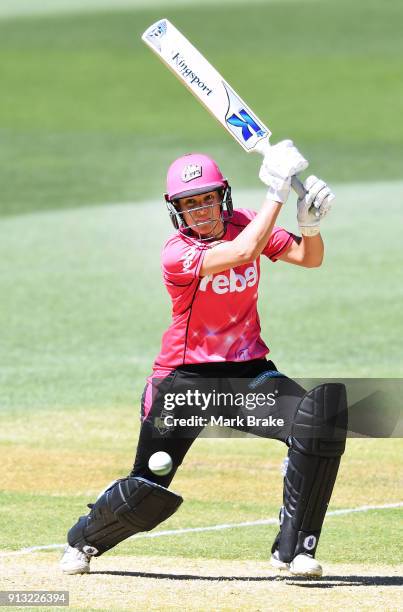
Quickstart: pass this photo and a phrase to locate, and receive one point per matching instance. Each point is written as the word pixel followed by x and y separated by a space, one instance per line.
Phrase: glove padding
pixel 314 205
pixel 282 161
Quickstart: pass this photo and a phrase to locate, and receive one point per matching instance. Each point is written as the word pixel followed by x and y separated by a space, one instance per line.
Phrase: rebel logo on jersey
pixel 231 332
pixel 231 281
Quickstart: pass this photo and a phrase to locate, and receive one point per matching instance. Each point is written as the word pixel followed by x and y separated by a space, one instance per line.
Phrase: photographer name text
pixel 249 420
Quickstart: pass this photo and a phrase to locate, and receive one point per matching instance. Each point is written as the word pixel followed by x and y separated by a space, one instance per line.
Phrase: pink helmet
pixel 193 174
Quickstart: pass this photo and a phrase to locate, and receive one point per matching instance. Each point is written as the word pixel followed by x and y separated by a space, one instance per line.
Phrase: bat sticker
pixel 156 33
pixel 241 121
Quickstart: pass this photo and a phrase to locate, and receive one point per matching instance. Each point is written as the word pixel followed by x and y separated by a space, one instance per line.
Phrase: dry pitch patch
pixel 154 583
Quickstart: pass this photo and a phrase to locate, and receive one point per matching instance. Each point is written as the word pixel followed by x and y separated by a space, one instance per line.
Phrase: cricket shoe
pixel 301 565
pixel 277 563
pixel 305 565
pixel 76 562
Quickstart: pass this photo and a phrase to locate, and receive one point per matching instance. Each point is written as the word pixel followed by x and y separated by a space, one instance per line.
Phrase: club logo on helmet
pixel 190 172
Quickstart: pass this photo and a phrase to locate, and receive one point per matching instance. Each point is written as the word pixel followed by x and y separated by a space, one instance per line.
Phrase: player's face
pixel 202 213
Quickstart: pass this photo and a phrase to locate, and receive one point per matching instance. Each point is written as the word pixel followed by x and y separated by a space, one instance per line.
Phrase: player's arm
pixel 247 246
pixel 308 250
pixel 279 165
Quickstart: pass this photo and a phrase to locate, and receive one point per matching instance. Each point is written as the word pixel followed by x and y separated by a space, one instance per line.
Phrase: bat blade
pixel 206 84
pixel 209 87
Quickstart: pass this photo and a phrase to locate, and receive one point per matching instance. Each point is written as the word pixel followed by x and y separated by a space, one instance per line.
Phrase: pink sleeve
pixel 182 260
pixel 244 216
pixel 279 241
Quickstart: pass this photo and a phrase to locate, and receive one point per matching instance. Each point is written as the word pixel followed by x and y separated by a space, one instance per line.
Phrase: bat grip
pixel 263 147
pixel 298 186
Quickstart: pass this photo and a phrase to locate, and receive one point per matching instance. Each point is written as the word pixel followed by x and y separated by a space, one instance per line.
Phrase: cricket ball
pixel 160 463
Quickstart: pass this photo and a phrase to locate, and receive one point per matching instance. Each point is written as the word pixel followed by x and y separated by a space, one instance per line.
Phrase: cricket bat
pixel 209 87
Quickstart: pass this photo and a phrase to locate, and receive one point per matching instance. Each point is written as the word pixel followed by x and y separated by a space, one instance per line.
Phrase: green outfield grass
pixel 76 285
pixel 76 347
pixel 88 115
pixel 53 476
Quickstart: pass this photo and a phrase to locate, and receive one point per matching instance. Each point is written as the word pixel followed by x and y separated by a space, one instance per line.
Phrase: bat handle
pixel 263 147
pixel 298 187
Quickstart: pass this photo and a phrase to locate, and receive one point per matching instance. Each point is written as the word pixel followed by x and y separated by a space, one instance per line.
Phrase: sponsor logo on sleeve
pixel 188 258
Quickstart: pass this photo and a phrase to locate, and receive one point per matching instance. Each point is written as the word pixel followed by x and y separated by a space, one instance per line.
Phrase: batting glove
pixel 314 206
pixel 282 161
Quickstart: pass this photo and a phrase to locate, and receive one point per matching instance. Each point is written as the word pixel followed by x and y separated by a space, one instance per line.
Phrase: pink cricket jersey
pixel 214 318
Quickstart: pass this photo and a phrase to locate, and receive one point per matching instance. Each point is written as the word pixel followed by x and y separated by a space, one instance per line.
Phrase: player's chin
pixel 208 229
pixel 204 227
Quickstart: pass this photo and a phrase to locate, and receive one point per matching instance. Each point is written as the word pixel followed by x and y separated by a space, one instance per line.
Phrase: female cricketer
pixel 211 270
